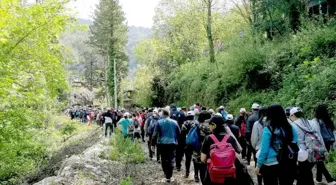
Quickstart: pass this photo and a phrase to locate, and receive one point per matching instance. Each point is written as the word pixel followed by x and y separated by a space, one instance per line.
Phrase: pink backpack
pixel 222 160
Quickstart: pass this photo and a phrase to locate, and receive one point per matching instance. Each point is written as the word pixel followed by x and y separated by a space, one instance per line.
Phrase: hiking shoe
pixel 186 175
pixel 178 169
pixel 168 180
pixel 159 161
pixel 196 179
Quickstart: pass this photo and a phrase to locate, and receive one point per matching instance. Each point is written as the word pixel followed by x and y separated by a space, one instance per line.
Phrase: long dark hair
pixel 322 113
pixel 262 113
pixel 220 123
pixel 277 119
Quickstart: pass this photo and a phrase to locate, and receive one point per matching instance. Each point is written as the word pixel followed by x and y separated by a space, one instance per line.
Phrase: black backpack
pixel 287 152
pixel 136 123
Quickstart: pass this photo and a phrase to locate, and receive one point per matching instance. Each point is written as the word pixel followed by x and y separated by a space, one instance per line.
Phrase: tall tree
pixel 108 34
pixel 209 4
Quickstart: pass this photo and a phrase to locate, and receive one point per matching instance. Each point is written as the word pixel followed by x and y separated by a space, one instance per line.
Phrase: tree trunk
pixel 209 33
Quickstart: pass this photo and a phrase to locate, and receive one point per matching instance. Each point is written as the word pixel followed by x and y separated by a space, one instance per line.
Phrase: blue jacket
pixel 166 131
pixel 268 156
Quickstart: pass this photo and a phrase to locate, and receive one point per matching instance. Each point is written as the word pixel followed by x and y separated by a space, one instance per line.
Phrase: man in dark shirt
pixel 230 123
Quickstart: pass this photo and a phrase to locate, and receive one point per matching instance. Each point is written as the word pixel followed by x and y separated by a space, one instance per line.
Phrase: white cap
pixel 191 113
pixel 211 110
pixel 156 111
pixel 126 114
pixel 302 155
pixel 255 106
pixel 229 117
pixel 295 110
pixel 178 109
pixel 242 110
pixel 218 114
pixel 221 107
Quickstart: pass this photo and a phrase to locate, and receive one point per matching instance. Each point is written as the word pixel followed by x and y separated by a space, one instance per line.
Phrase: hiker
pixel 256 135
pixel 178 115
pixel 108 117
pixel 149 127
pixel 249 125
pixel 277 157
pixel 323 120
pixel 136 126
pixel 203 130
pixel 241 123
pixel 142 120
pixel 187 125
pixel 166 134
pixel 230 123
pixel 124 124
pixel 310 142
pixel 208 153
pixel 222 111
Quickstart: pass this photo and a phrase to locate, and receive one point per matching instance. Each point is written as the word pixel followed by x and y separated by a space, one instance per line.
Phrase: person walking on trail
pixel 222 111
pixel 202 131
pixel 249 125
pixel 108 117
pixel 230 123
pixel 166 134
pixel 323 120
pixel 124 124
pixel 149 128
pixel 241 123
pixel 311 144
pixel 143 116
pixel 177 115
pixel 136 127
pixel 208 152
pixel 277 159
pixel 184 132
pixel 257 132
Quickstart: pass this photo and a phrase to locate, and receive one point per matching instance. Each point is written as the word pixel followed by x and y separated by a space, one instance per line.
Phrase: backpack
pixel 327 133
pixel 243 128
pixel 221 164
pixel 136 123
pixel 287 152
pixel 315 148
pixel 152 124
pixel 192 138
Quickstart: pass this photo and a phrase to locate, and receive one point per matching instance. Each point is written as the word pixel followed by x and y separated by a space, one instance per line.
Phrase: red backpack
pixel 243 128
pixel 221 164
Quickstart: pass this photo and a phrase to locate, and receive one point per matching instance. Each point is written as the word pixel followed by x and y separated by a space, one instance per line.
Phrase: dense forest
pixel 264 51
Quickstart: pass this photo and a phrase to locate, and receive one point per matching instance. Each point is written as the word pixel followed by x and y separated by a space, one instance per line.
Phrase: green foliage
pixel 331 164
pixel 68 128
pixel 127 181
pixel 124 150
pixel 32 81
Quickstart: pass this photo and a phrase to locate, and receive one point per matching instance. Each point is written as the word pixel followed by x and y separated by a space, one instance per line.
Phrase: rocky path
pixel 92 167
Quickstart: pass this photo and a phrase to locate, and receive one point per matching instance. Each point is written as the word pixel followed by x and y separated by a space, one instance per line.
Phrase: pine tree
pixel 108 34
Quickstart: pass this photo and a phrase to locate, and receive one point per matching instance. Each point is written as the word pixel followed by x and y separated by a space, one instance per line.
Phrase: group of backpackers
pixel 284 144
pixel 84 115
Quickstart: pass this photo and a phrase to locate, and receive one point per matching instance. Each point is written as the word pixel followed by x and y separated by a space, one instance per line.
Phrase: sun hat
pixel 229 117
pixel 191 113
pixel 295 110
pixel 242 110
pixel 255 106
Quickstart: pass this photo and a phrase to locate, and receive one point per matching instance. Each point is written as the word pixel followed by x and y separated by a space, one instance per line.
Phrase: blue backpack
pixel 192 138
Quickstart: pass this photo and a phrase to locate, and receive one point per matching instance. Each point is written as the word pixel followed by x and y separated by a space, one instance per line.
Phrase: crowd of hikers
pixel 284 143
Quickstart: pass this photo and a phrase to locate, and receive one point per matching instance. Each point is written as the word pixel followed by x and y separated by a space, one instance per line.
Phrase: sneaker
pixel 178 169
pixel 159 161
pixel 332 183
pixel 168 180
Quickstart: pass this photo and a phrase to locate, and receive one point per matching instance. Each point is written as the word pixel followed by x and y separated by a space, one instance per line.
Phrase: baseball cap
pixel 242 110
pixel 295 110
pixel 255 106
pixel 218 114
pixel 221 107
pixel 229 117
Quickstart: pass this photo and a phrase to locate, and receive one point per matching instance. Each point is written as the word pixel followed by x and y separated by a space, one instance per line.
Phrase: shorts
pixel 136 135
